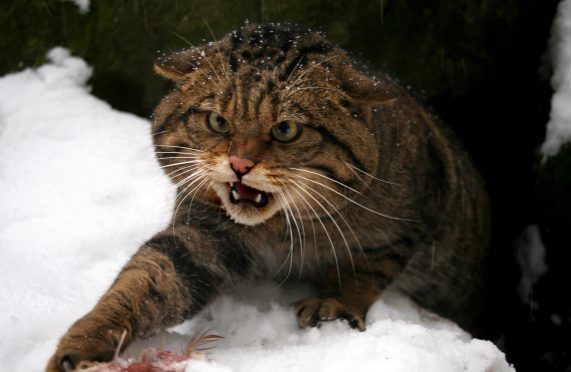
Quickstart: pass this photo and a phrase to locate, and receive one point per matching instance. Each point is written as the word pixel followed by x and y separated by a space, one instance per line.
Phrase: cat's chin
pixel 258 210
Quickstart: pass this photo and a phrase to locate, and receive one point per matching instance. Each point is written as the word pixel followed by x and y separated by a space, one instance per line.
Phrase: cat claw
pixel 312 311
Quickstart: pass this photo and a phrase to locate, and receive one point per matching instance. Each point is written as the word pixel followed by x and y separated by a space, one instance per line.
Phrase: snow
pixel 559 126
pixel 80 190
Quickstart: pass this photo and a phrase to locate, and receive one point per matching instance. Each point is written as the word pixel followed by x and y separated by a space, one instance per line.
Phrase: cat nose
pixel 240 166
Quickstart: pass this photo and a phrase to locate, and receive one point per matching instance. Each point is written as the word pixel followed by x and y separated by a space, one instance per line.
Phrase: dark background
pixel 479 65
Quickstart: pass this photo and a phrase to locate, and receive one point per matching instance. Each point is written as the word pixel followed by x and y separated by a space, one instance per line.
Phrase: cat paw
pixel 70 362
pixel 76 353
pixel 312 311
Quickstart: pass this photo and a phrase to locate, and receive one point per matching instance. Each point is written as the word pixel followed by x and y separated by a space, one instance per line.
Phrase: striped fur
pixel 373 192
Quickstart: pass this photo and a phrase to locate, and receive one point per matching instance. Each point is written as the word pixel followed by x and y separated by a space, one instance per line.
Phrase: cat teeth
pixel 236 196
pixel 260 199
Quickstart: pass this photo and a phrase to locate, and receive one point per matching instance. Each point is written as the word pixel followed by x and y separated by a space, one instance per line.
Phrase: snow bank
pixel 80 190
pixel 559 126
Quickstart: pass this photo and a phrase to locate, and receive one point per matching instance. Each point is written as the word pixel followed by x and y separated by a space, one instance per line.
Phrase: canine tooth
pixel 235 195
pixel 258 198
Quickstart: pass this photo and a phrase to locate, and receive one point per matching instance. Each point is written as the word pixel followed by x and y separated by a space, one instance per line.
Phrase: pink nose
pixel 240 166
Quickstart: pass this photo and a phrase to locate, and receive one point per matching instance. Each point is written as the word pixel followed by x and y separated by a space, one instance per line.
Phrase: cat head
pixel 270 118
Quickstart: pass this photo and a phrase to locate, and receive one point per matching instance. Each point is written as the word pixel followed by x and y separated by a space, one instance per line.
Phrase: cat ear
pixel 178 65
pixel 366 90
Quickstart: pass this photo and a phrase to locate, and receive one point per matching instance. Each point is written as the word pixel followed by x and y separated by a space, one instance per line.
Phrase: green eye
pixel 217 123
pixel 286 131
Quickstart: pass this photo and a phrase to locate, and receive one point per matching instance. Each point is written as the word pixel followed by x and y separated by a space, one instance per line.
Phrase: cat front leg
pixel 170 278
pixel 349 292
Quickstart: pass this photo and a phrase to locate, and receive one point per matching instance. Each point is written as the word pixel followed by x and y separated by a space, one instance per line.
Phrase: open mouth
pixel 240 193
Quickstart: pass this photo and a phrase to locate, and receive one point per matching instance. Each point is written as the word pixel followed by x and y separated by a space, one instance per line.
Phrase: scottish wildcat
pixel 290 161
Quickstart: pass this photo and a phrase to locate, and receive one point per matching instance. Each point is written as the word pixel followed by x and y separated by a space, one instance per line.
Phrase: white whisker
pixel 302 74
pixel 193 192
pixel 161 132
pixel 324 230
pixel 183 39
pixel 189 179
pixel 178 157
pixel 300 221
pixel 183 170
pixel 182 163
pixel 293 71
pixel 206 59
pixel 193 179
pixel 315 250
pixel 327 178
pixel 285 204
pixel 316 87
pixel 177 153
pixel 347 246
pixel 290 253
pixel 340 214
pixel 357 203
pixel 227 70
pixel 179 147
pixel 352 167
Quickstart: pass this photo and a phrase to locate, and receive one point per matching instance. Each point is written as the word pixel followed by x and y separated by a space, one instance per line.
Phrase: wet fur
pixel 417 218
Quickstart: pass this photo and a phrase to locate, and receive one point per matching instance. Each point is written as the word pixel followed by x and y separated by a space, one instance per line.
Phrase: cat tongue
pixel 246 192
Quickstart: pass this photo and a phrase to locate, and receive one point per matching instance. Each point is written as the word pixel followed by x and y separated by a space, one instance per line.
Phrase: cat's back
pixel 441 189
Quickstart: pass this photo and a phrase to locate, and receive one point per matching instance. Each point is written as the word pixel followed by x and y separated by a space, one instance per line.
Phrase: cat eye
pixel 217 123
pixel 286 131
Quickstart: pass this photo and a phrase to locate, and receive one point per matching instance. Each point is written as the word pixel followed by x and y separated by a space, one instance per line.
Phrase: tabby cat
pixel 292 162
